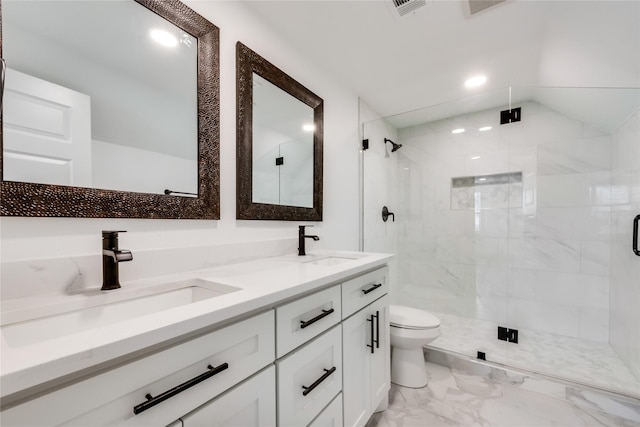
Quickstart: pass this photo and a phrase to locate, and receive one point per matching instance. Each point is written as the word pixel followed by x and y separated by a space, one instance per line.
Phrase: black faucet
pixel 111 256
pixel 301 237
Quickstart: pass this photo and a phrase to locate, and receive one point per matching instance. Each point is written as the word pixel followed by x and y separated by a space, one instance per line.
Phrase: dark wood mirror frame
pixel 43 200
pixel 247 63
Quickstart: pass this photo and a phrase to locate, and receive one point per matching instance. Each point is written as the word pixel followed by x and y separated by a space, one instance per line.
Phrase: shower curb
pixel 592 398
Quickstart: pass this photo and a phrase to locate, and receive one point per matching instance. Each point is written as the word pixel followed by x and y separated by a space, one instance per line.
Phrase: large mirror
pixel 110 109
pixel 279 143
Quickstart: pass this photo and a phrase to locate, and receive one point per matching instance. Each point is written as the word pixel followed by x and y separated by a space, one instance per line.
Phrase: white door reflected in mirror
pixel 47 132
pixel 141 128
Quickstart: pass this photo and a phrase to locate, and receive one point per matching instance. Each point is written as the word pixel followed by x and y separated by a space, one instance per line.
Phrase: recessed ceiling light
pixel 459 130
pixel 485 128
pixel 164 37
pixel 475 81
pixel 475 157
pixel 309 127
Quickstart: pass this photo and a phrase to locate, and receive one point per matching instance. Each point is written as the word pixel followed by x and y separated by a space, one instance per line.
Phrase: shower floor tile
pixel 587 362
pixel 460 399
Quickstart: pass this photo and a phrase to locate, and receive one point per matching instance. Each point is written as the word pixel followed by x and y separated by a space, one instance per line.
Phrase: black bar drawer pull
pixel 317 382
pixel 372 340
pixel 325 313
pixel 635 235
pixel 153 401
pixel 371 289
pixel 377 329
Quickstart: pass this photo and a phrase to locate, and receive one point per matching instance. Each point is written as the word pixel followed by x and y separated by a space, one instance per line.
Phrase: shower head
pixel 396 147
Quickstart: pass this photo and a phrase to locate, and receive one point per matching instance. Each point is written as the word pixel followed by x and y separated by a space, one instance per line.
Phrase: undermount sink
pixel 331 260
pixel 100 309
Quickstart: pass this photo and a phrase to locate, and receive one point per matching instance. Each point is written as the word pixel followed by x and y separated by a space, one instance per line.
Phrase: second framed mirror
pixel 279 143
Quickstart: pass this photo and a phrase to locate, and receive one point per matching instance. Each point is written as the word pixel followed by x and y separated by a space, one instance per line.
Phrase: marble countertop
pixel 262 284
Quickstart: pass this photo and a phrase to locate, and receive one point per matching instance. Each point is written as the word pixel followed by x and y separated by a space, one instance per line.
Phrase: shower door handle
pixel 635 235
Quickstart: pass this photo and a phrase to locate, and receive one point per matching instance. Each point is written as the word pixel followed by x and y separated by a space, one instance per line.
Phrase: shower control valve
pixel 386 214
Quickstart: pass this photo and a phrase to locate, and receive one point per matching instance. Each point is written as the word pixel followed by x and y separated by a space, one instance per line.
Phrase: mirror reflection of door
pixel 143 124
pixel 47 132
pixel 283 131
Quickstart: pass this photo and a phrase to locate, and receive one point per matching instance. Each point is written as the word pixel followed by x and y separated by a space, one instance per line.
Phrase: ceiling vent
pixel 477 6
pixel 406 7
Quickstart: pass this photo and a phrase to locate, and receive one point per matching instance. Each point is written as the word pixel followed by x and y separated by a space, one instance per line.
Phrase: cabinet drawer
pixel 305 318
pixel 363 290
pixel 331 416
pixel 109 398
pixel 309 378
pixel 250 404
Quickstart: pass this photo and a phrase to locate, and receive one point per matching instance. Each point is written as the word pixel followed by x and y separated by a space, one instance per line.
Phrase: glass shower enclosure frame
pixel 513 215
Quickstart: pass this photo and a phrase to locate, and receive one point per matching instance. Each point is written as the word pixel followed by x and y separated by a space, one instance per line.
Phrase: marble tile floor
pixel 586 362
pixel 457 398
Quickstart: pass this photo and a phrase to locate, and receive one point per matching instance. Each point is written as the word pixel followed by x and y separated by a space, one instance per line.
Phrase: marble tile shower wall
pixel 532 254
pixel 625 266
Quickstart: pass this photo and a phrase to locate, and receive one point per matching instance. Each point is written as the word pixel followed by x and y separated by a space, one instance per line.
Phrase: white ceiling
pixel 398 65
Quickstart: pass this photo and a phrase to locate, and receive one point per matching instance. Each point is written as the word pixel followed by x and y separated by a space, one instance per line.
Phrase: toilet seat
pixel 411 318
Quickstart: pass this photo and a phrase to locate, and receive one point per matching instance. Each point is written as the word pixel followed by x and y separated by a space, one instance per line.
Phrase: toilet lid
pixel 411 318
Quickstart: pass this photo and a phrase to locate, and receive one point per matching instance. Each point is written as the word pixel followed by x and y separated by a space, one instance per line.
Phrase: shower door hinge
pixel 508 335
pixel 510 116
pixel 279 161
pixel 365 144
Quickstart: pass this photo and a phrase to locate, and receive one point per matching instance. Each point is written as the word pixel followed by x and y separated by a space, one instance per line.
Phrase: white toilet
pixel 410 330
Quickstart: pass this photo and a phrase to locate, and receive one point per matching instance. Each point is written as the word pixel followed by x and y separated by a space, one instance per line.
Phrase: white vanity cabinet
pixel 250 404
pixel 317 358
pixel 366 351
pixel 363 290
pixel 157 389
pixel 309 379
pixel 331 416
pixel 303 319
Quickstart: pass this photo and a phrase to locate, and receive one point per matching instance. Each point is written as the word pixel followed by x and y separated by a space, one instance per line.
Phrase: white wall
pixel 34 238
pixel 124 168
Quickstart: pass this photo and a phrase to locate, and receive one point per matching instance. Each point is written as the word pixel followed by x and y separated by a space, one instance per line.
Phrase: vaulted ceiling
pixel 422 59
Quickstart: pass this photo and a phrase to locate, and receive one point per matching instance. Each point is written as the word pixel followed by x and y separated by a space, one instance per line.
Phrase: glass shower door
pixel 513 221
pixel 449 189
pixel 573 291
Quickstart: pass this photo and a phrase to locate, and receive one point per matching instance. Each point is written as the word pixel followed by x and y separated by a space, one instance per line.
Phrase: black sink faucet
pixel 111 256
pixel 301 237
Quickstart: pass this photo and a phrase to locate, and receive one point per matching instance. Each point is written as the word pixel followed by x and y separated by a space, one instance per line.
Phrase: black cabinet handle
pixel 317 382
pixel 635 235
pixel 371 289
pixel 325 313
pixel 371 335
pixel 377 316
pixel 153 401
